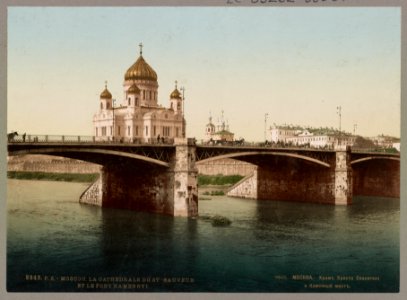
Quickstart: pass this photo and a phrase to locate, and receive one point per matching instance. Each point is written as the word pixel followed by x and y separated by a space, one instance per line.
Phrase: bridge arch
pixel 254 153
pixel 364 159
pixel 60 152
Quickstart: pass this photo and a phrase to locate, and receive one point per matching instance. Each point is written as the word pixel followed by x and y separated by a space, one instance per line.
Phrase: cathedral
pixel 139 118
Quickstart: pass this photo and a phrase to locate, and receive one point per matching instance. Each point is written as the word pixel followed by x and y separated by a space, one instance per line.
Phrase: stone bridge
pixel 162 178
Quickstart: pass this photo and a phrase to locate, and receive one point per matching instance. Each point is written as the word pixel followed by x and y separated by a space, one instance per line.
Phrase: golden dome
pixel 140 70
pixel 175 93
pixel 106 94
pixel 133 89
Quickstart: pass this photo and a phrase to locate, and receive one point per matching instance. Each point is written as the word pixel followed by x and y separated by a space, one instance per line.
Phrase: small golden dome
pixel 106 94
pixel 140 70
pixel 175 93
pixel 133 89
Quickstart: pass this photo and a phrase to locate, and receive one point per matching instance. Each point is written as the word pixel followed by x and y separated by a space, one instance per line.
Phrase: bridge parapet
pixel 67 139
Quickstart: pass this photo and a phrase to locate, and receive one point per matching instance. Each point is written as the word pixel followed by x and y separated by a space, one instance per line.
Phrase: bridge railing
pixel 270 145
pixel 38 138
pixel 376 150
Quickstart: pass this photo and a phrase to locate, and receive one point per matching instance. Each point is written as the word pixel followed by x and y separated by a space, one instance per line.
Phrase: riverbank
pixel 203 180
pixel 208 180
pixel 70 177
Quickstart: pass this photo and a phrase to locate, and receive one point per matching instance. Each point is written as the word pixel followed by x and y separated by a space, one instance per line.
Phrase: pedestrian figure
pixel 24 137
pixel 158 138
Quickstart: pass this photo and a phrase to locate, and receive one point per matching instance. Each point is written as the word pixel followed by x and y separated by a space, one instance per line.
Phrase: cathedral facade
pixel 139 118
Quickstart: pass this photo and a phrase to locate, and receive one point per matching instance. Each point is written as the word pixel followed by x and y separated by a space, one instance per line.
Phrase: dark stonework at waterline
pixel 291 179
pixel 138 186
pixel 377 178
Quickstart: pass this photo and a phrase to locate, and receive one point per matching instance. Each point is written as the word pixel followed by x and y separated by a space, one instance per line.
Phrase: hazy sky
pixel 296 64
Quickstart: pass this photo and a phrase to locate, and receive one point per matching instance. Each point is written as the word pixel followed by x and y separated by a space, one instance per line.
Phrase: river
pixel 56 244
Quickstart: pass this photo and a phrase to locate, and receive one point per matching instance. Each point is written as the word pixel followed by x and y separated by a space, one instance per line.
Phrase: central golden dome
pixel 140 70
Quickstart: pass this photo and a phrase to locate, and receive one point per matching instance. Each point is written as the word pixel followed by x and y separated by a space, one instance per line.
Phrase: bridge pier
pixel 343 178
pixel 146 187
pixel 185 179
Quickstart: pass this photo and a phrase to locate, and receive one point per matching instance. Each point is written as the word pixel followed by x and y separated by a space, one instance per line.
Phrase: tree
pixel 361 142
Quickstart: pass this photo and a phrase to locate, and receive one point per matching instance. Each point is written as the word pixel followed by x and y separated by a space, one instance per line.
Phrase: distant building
pixel 386 141
pixel 282 133
pixel 139 117
pixel 219 132
pixel 317 138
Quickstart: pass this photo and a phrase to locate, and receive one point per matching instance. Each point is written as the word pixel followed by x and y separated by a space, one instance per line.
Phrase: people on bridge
pixel 24 137
pixel 158 138
pixel 11 136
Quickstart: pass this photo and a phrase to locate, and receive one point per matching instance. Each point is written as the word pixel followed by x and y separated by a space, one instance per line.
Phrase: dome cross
pixel 141 48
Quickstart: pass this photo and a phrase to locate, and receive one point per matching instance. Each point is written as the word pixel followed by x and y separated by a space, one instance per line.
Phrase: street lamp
pixel 183 109
pixel 113 102
pixel 265 126
pixel 339 112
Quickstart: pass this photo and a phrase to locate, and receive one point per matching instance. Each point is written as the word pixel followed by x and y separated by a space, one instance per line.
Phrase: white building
pixel 300 137
pixel 282 133
pixel 385 141
pixel 139 117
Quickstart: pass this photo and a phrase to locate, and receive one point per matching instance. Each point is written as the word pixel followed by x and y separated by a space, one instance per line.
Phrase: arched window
pixel 101 105
pixel 107 105
pixel 129 101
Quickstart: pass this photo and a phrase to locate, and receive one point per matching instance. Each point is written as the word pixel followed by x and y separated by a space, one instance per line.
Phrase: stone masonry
pixel 142 186
pixel 291 179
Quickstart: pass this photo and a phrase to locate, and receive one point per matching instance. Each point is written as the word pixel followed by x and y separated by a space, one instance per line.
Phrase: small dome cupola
pixel 176 94
pixel 133 89
pixel 106 94
pixel 140 70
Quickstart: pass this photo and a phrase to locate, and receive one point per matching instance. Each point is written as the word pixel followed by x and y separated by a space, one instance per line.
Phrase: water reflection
pixel 147 244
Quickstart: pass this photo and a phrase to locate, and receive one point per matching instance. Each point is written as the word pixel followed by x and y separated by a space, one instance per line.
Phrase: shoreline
pixel 208 181
pixel 68 177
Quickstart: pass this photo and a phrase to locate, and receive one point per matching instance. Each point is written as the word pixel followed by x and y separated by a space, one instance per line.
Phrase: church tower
pixel 105 99
pixel 176 100
pixel 209 130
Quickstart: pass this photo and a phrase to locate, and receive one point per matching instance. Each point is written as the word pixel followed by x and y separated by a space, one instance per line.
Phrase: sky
pixel 297 65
